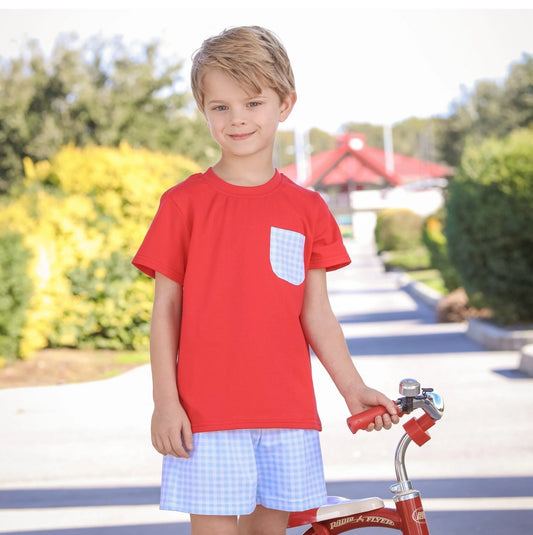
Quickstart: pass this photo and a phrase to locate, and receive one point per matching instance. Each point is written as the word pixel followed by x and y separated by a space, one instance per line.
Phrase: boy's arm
pixel 325 336
pixel 171 429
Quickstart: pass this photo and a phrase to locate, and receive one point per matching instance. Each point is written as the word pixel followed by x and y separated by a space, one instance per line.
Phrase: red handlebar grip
pixel 365 418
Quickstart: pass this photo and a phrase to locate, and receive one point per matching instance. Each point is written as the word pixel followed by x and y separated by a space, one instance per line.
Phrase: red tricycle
pixel 340 514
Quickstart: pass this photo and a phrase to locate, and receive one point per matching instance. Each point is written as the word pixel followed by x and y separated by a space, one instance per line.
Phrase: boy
pixel 239 255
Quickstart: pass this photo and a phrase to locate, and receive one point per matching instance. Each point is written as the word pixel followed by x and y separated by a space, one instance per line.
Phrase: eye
pixel 220 108
pixel 254 104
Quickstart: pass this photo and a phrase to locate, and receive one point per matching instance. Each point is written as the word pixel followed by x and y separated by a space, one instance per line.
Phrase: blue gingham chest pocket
pixel 287 255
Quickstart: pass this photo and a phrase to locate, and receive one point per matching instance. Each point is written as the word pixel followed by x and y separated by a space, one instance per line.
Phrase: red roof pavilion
pixel 354 162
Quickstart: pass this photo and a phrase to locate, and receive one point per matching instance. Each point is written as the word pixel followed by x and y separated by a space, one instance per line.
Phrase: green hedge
pixel 489 226
pixel 437 245
pixel 15 294
pixel 398 230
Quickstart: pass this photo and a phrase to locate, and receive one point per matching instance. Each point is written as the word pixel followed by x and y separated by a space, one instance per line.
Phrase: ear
pixel 287 105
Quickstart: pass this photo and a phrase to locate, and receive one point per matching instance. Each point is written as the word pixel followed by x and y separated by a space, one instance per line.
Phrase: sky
pixel 352 63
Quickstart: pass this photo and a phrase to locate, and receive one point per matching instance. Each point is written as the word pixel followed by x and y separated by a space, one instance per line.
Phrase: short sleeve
pixel 166 244
pixel 328 250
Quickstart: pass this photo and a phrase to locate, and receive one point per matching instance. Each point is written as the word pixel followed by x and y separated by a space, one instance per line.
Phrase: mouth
pixel 241 137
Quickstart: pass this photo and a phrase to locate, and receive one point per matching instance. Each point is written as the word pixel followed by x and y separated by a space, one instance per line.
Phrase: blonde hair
pixel 251 55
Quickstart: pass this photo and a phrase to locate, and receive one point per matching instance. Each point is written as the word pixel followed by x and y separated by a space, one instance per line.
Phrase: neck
pixel 244 175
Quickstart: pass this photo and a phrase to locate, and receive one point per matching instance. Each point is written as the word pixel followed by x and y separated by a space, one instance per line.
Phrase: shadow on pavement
pixel 413 316
pixel 78 497
pixel 416 344
pixel 141 529
pixel 149 495
pixel 441 523
pixel 517 522
pixel 468 487
pixel 513 373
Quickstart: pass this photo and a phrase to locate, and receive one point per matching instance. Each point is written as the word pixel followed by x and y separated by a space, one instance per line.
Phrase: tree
pixel 491 109
pixel 518 93
pixel 320 141
pixel 488 225
pixel 414 137
pixel 317 141
pixel 373 133
pixel 96 93
pixel 284 150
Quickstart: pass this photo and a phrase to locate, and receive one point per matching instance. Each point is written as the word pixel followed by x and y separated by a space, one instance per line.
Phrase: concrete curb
pixel 488 335
pixel 494 337
pixel 526 360
pixel 419 290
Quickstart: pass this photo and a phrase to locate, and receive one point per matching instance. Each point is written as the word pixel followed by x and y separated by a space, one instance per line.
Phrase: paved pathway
pixel 77 460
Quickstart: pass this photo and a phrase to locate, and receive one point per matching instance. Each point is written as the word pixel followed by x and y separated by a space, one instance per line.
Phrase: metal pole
pixel 389 148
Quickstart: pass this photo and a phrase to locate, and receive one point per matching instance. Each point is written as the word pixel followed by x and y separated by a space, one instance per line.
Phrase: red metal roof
pixel 354 161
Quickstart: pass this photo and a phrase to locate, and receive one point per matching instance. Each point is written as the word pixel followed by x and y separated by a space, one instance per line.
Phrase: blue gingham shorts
pixel 230 472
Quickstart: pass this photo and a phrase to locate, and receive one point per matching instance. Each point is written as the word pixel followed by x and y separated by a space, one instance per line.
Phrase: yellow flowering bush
pixel 435 240
pixel 83 214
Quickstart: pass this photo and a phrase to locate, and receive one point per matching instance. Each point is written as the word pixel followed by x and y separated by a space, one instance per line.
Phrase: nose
pixel 237 119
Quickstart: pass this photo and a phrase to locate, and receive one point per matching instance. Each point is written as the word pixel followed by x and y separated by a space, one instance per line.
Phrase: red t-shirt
pixel 241 255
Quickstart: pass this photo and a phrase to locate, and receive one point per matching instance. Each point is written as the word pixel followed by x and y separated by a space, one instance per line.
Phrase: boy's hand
pixel 366 398
pixel 171 430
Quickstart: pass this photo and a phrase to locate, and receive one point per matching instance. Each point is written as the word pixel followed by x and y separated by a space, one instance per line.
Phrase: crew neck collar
pixel 243 191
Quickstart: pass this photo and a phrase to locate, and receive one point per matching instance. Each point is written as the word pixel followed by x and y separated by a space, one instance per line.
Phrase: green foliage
pixel 413 137
pixel 430 278
pixel 284 150
pixel 97 93
pixel 436 243
pixel 320 141
pixel 315 141
pixel 112 306
pixel 398 230
pixel 16 291
pixel 373 133
pixel 83 214
pixel 407 260
pixel 489 110
pixel 489 222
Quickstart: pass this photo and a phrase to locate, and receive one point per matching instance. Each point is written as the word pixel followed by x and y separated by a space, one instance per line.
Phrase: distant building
pixel 356 177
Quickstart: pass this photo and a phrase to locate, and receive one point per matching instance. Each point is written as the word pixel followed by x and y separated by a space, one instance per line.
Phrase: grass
pixel 431 278
pixel 132 358
pixel 410 260
pixel 416 263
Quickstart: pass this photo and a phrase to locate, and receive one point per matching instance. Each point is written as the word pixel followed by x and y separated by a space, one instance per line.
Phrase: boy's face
pixel 241 123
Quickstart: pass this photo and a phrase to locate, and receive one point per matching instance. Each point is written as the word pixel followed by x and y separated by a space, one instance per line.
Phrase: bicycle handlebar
pixel 430 402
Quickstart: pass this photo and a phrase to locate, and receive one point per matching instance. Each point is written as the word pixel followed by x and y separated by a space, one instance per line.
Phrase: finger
pixel 157 444
pixel 177 446
pixel 166 445
pixel 378 423
pixel 179 451
pixel 392 408
pixel 162 446
pixel 188 441
pixel 387 421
